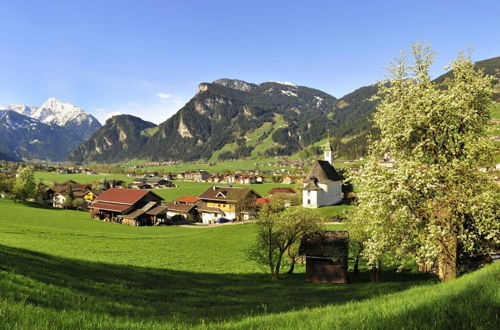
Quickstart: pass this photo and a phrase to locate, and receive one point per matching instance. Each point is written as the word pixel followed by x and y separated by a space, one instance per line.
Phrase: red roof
pixel 123 196
pixel 261 201
pixel 281 191
pixel 109 206
pixel 187 199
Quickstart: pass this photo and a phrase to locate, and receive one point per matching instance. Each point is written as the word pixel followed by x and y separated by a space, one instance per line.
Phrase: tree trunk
pixel 375 272
pixel 292 266
pixel 356 265
pixel 447 263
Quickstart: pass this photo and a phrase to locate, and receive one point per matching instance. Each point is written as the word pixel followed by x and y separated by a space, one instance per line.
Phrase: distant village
pixel 136 203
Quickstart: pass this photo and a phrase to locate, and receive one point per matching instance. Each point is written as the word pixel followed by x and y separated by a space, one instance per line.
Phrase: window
pixel 308 193
pixel 308 202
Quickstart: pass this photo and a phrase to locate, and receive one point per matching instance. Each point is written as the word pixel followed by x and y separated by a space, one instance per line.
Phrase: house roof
pixel 187 199
pixel 325 244
pixel 185 208
pixel 110 206
pixel 261 201
pixel 323 172
pixel 281 191
pixel 226 193
pixel 124 196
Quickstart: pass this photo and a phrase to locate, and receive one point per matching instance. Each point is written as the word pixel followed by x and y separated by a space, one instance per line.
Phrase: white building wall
pixel 310 198
pixel 330 194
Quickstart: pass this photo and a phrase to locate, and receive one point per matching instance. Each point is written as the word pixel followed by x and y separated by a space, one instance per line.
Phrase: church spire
pixel 328 150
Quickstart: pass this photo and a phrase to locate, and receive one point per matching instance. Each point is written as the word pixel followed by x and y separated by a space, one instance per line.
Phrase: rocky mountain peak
pixel 239 85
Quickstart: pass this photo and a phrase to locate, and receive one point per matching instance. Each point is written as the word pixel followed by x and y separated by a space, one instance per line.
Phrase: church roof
pixel 322 172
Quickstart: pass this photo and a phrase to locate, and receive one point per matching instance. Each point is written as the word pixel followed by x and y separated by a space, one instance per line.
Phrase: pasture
pixel 59 269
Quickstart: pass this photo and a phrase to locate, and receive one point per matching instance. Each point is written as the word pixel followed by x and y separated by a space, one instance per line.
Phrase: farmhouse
pixel 127 206
pixel 58 193
pixel 323 185
pixel 232 203
pixel 326 256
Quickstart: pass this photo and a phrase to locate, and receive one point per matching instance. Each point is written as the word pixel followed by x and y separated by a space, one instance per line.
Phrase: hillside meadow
pixel 59 269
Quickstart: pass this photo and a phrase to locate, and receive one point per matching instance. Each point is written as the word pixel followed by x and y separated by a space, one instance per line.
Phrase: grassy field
pixel 59 269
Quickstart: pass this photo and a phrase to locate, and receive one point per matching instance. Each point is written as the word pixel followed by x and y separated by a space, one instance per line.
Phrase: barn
pixel 127 206
pixel 326 254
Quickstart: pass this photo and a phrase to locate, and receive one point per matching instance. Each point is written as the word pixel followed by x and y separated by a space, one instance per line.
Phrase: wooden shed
pixel 326 254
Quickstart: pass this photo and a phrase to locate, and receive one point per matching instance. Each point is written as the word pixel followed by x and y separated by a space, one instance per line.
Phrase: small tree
pixel 70 196
pixel 435 203
pixel 77 203
pixel 278 230
pixel 24 185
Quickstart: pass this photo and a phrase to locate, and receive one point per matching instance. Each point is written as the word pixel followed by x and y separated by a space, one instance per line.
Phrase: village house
pixel 196 176
pixel 289 179
pixel 128 206
pixel 229 202
pixel 159 183
pixel 323 185
pixel 57 194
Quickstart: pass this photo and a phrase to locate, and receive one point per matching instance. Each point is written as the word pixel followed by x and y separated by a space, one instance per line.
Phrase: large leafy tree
pixel 24 185
pixel 435 204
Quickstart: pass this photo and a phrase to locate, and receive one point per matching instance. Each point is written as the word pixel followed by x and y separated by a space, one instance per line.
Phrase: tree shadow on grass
pixel 160 294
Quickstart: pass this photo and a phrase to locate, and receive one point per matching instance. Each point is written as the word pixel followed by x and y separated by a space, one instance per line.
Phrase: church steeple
pixel 328 150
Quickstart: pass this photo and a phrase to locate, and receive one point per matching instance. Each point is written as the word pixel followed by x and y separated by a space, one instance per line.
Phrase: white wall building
pixel 323 185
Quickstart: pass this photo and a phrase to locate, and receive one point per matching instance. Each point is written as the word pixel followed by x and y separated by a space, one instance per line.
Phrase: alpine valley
pixel 229 119
pixel 226 119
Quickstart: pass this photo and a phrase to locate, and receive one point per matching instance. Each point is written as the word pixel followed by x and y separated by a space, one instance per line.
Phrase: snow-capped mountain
pixel 55 112
pixel 23 137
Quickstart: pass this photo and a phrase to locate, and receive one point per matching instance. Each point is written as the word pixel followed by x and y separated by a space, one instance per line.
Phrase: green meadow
pixel 59 269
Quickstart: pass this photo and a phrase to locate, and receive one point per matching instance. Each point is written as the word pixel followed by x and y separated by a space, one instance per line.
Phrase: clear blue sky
pixel 147 57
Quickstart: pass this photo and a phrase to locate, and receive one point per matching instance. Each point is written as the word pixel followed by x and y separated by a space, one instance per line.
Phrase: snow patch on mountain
pixel 289 93
pixel 286 83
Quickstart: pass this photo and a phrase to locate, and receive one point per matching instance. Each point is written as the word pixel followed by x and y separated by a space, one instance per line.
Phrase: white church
pixel 323 185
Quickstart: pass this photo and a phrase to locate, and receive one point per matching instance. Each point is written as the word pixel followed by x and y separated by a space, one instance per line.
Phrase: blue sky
pixel 147 58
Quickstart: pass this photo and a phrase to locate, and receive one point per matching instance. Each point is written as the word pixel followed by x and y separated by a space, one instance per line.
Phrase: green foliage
pixel 435 202
pixel 279 230
pixel 24 185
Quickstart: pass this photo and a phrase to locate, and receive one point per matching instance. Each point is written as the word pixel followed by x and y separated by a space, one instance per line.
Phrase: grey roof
pixel 325 244
pixel 323 172
pixel 141 211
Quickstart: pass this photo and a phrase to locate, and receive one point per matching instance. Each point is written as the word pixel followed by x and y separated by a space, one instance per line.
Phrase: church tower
pixel 328 152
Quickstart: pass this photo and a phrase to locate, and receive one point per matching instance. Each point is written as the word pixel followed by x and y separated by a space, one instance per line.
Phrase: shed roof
pixel 124 196
pixel 141 211
pixel 325 244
